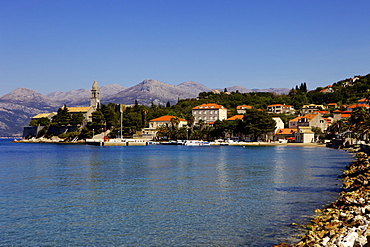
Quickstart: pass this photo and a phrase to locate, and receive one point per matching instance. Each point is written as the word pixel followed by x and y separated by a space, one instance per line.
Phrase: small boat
pixel 196 143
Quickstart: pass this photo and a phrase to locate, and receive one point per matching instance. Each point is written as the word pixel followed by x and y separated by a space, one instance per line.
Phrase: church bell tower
pixel 95 96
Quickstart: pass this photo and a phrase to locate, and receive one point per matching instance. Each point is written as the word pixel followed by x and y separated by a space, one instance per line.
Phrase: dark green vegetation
pixel 254 124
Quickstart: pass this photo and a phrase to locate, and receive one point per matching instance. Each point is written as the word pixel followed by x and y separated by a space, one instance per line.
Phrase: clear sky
pixel 62 45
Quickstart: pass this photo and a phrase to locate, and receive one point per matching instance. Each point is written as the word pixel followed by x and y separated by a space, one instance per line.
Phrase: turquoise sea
pixel 78 195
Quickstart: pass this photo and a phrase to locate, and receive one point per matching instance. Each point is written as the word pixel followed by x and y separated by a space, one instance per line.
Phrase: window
pixel 205 118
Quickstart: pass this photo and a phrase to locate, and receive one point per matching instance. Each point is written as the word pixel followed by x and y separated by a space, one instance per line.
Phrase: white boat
pixel 196 143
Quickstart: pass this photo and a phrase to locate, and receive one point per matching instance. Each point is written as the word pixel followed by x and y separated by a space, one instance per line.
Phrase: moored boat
pixel 196 143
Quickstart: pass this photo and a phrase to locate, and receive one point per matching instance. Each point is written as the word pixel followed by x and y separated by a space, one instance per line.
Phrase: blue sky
pixel 48 45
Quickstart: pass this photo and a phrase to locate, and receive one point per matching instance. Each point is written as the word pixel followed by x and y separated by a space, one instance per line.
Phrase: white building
pixel 280 109
pixel 209 113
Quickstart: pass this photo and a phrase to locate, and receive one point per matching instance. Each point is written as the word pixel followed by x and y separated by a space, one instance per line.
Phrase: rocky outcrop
pixel 346 221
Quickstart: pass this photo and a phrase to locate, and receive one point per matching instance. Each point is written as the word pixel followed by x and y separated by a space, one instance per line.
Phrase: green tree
pixel 111 117
pixel 33 122
pixel 62 118
pixel 44 121
pixel 77 119
pixel 258 123
pixel 98 121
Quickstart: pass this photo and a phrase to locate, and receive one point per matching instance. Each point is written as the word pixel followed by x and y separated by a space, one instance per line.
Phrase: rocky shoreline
pixel 345 222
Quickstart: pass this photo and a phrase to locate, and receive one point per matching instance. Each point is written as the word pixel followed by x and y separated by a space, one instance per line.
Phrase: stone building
pixel 209 113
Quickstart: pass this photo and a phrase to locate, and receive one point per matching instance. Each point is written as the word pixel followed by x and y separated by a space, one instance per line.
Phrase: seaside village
pixel 299 129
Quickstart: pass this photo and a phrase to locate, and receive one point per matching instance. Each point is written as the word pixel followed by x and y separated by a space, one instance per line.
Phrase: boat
pixel 196 143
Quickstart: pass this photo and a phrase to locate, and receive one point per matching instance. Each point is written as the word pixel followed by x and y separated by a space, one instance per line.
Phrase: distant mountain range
pixel 21 104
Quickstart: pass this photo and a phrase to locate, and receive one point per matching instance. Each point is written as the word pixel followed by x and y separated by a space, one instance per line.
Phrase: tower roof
pixel 95 86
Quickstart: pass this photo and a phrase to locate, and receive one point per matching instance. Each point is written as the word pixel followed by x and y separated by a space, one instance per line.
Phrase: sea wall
pixel 31 131
pixel 345 222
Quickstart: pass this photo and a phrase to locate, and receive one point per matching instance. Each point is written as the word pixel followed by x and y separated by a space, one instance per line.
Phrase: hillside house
pixel 309 109
pixel 309 120
pixel 233 118
pixel 327 89
pixel 339 115
pixel 333 105
pixel 280 109
pixel 242 109
pixel 209 113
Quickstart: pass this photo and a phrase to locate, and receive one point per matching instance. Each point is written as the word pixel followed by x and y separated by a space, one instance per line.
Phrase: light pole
pixel 93 134
pixel 121 123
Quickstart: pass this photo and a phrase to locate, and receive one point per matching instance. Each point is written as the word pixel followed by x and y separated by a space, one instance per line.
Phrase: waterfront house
pixel 285 134
pixel 279 124
pixel 166 120
pixel 209 113
pixel 151 132
pixel 304 134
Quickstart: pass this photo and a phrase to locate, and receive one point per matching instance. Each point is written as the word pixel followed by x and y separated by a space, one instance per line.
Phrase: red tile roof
pixel 209 106
pixel 235 117
pixel 286 131
pixel 166 118
pixel 321 112
pixel 284 106
pixel 239 107
pixel 358 105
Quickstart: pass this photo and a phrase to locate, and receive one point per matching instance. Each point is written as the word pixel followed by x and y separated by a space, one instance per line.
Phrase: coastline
pixel 246 144
pixel 346 221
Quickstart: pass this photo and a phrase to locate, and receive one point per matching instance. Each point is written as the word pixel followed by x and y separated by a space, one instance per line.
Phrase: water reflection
pixel 172 196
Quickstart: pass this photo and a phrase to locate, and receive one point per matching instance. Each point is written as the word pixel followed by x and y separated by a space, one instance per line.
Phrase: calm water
pixel 62 195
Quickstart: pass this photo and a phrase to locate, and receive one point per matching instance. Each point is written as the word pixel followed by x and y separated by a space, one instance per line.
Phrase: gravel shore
pixel 345 222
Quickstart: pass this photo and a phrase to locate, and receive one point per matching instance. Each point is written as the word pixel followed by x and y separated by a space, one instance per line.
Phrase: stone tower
pixel 95 96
